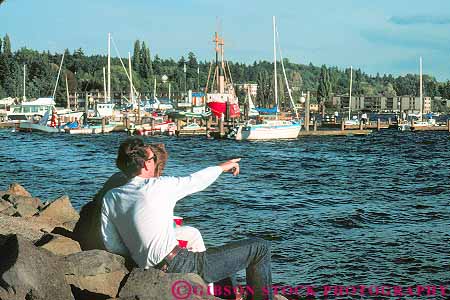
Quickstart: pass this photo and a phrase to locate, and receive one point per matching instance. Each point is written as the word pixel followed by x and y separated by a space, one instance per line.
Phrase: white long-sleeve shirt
pixel 137 218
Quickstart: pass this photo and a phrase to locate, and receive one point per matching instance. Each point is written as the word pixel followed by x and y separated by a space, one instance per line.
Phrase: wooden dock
pixel 186 132
pixel 431 128
pixel 8 124
pixel 305 133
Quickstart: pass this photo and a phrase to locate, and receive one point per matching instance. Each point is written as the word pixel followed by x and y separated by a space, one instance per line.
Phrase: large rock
pixel 28 272
pixel 58 244
pixel 95 274
pixel 23 200
pixel 4 204
pixel 10 211
pixel 17 189
pixel 31 228
pixel 24 210
pixel 19 206
pixel 153 284
pixel 59 212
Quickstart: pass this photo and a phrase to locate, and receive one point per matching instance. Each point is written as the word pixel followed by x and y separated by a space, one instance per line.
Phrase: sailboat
pixel 270 129
pixel 252 111
pixel 420 122
pixel 350 121
pixel 35 115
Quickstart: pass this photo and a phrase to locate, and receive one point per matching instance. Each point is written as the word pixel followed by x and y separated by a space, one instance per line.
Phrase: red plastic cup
pixel 182 244
pixel 178 221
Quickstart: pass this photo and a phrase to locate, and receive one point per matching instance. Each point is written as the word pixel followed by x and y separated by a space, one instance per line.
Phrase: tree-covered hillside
pixel 85 73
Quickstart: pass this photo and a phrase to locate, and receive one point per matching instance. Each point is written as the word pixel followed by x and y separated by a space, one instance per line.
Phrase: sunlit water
pixel 346 210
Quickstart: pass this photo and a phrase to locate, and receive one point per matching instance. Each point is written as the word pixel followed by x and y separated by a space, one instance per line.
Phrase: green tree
pixel 263 92
pixel 146 64
pixel 324 89
pixel 7 46
pixel 136 60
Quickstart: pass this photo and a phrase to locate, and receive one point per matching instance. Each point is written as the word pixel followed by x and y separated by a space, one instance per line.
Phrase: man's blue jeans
pixel 218 263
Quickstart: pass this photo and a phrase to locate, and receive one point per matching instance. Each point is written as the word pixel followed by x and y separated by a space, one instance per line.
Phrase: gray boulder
pixel 28 272
pixel 95 273
pixel 30 228
pixel 153 284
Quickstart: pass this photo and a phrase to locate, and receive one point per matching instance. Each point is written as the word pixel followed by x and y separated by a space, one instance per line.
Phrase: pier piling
pixel 307 107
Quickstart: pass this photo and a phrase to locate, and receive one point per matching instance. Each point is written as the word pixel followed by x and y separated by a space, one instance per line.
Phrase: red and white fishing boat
pixel 220 96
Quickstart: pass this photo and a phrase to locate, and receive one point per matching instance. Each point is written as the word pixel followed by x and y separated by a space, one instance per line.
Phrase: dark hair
pixel 132 156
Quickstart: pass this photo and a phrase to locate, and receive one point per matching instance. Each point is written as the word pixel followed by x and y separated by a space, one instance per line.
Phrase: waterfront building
pixel 252 87
pixel 382 103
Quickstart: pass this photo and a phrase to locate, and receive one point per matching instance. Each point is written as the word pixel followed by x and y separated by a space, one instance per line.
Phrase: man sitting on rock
pixel 88 229
pixel 137 218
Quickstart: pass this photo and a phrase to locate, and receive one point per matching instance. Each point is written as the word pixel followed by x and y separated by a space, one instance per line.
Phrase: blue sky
pixel 377 36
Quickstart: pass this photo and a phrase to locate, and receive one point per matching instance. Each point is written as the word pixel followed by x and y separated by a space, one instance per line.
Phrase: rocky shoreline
pixel 40 259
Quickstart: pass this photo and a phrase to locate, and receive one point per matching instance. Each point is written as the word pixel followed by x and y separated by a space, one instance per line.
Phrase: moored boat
pixel 268 130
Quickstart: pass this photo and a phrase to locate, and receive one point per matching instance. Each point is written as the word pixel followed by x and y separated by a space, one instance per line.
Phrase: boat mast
pixel 131 79
pixel 285 77
pixel 275 66
pixel 105 94
pixel 67 94
pixel 350 96
pixel 57 78
pixel 109 68
pixel 421 90
pixel 24 75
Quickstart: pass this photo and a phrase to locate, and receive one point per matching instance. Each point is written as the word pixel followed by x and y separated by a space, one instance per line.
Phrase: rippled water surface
pixel 347 210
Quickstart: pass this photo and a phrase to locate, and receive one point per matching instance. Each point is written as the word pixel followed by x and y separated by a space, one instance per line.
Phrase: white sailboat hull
pixel 28 126
pixel 261 132
pixel 91 130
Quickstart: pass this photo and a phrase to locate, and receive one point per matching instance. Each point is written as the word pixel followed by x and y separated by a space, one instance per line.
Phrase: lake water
pixel 345 210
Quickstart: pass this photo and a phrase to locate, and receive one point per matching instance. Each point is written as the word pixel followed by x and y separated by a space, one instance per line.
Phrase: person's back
pixel 137 218
pixel 132 204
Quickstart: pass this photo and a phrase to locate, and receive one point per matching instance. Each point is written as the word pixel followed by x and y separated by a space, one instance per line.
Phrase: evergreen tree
pixel 145 64
pixel 324 89
pixel 136 60
pixel 7 46
pixel 191 69
pixel 1 46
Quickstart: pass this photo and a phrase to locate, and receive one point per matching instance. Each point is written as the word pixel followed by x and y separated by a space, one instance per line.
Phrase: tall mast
pixel 109 68
pixel 57 78
pixel 131 79
pixel 421 91
pixel 350 98
pixel 275 65
pixel 216 72
pixel 24 75
pixel 67 94
pixel 105 94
